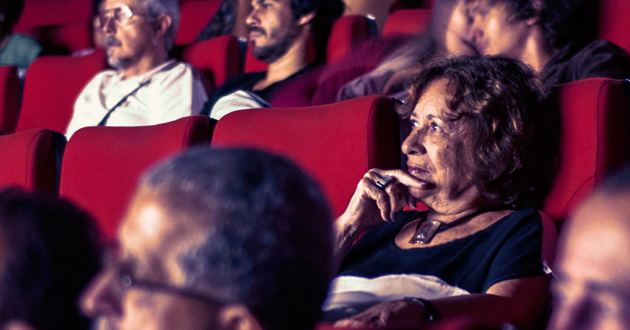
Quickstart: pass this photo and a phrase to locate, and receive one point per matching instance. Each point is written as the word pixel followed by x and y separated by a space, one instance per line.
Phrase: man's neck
pixel 145 64
pixel 537 52
pixel 291 62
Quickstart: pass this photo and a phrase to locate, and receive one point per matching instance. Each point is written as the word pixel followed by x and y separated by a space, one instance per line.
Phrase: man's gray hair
pixel 165 7
pixel 268 238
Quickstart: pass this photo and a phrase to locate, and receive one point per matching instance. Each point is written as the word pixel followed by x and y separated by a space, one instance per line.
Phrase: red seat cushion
pixel 102 164
pixel 51 87
pixel 337 143
pixel 594 139
pixel 29 160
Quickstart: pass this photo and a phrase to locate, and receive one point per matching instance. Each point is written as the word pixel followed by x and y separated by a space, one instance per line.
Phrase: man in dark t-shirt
pixel 279 35
pixel 553 37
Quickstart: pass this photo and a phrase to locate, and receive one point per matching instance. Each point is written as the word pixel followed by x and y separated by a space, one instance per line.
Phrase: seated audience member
pixel 145 88
pixel 593 264
pixel 383 66
pixel 474 159
pixel 16 49
pixel 549 36
pixel 280 31
pixel 219 239
pixel 48 254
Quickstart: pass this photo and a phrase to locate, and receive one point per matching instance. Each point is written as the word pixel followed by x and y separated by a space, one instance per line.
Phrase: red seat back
pixel 51 87
pixel 217 58
pixel 53 12
pixel 64 38
pixel 102 165
pixel 408 21
pixel 594 139
pixel 194 16
pixel 613 22
pixel 336 143
pixel 9 99
pixel 29 160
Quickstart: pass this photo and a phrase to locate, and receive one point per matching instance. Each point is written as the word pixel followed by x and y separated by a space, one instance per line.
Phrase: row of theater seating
pixel 336 143
pixel 64 26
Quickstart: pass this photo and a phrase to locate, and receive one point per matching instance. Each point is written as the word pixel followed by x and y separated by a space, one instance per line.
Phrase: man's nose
pixel 101 298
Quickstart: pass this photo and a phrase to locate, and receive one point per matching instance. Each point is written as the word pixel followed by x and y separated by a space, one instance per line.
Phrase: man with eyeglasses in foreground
pixel 145 88
pixel 218 239
pixel 593 264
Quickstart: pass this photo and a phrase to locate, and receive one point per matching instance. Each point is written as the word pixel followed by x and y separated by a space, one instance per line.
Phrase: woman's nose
pixel 100 298
pixel 414 143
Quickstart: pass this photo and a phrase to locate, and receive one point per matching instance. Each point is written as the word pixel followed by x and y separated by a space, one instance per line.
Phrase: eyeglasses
pixel 120 15
pixel 127 281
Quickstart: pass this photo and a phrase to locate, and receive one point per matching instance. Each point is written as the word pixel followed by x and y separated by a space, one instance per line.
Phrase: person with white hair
pixel 145 87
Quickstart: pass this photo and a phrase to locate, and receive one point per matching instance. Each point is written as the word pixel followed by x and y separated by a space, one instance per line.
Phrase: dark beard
pixel 272 53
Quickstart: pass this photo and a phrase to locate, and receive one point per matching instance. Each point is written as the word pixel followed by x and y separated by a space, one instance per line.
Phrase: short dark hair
pixel 52 254
pixel 508 120
pixel 269 238
pixel 561 21
pixel 11 10
pixel 326 12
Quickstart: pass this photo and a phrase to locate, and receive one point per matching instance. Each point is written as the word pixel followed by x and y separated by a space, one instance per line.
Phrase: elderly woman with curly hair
pixel 473 158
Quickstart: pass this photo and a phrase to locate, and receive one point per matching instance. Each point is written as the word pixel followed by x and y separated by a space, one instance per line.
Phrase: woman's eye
pixel 414 124
pixel 435 127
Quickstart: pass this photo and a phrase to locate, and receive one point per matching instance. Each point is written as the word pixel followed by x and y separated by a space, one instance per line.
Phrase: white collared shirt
pixel 173 92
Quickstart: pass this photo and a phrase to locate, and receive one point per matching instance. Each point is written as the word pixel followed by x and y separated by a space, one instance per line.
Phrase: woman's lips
pixel 419 173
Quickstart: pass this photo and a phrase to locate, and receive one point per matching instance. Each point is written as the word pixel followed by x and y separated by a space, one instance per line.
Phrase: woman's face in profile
pixel 436 149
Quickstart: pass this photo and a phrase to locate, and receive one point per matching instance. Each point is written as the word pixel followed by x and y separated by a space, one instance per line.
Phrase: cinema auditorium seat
pixel 102 164
pixel 336 143
pixel 9 99
pixel 51 87
pixel 408 21
pixel 613 23
pixel 194 16
pixel 594 139
pixel 217 58
pixel 30 160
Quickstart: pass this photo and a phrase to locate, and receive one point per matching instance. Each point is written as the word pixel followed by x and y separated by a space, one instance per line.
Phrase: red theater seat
pixel 336 143
pixel 30 158
pixel 9 99
pixel 53 12
pixel 408 21
pixel 51 87
pixel 63 38
pixel 594 139
pixel 102 164
pixel 613 22
pixel 217 58
pixel 194 16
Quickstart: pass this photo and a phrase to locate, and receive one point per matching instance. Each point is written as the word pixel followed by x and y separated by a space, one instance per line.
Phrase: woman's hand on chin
pixel 396 313
pixel 371 205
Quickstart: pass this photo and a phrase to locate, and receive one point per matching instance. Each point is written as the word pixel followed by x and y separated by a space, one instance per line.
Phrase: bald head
pixel 593 291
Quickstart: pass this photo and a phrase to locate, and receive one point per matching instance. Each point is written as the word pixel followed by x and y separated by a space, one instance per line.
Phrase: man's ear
pixel 162 24
pixel 17 325
pixel 306 18
pixel 237 317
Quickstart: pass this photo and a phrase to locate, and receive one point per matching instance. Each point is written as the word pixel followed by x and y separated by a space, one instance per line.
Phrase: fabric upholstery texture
pixel 193 18
pixel 217 58
pixel 337 144
pixel 102 164
pixel 613 22
pixel 594 139
pixel 9 99
pixel 51 87
pixel 29 160
pixel 407 21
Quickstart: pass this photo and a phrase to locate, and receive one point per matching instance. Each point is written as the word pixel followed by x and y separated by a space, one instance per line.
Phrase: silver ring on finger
pixel 383 181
